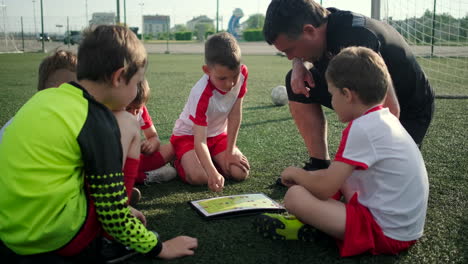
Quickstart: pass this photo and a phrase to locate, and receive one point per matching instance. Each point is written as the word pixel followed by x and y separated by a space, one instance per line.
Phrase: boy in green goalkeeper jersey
pixel 61 161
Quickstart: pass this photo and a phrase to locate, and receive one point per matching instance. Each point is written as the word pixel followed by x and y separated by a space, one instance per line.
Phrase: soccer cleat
pixel 163 174
pixel 135 197
pixel 283 227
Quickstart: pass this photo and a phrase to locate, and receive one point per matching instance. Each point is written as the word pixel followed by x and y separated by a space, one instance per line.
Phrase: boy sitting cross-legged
pixel 204 137
pixel 378 168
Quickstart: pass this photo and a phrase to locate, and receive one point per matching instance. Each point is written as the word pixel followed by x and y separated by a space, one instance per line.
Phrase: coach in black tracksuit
pixel 311 35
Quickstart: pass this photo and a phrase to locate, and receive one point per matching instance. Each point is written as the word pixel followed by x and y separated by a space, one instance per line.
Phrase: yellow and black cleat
pixel 283 227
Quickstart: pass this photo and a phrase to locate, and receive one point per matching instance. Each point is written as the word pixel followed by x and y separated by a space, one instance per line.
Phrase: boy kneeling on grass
pixel 204 137
pixel 62 181
pixel 378 168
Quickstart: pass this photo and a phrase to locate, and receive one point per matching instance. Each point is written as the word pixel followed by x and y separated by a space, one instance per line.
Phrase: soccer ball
pixel 279 96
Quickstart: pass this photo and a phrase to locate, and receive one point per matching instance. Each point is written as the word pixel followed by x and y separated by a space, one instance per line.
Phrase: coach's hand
pixel 299 76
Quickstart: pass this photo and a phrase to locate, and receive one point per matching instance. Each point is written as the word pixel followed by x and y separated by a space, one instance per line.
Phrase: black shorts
pixel 416 122
pixel 417 125
pixel 317 95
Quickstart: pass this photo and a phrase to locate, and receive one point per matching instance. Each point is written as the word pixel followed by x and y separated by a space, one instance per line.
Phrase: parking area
pixel 248 48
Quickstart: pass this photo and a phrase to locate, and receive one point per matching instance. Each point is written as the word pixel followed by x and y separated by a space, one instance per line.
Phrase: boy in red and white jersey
pixel 204 137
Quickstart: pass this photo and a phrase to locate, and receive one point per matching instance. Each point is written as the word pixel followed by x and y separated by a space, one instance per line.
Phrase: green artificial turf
pixel 269 138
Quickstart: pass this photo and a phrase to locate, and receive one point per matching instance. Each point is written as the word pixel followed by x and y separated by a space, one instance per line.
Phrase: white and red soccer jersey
pixel 209 106
pixel 144 118
pixel 390 176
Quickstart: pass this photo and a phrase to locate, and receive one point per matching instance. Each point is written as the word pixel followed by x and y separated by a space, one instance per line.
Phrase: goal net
pixel 7 40
pixel 437 32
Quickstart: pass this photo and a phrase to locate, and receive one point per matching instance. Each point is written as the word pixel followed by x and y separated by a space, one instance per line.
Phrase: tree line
pixel 429 28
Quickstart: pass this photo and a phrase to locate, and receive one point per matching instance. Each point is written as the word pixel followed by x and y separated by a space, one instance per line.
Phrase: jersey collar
pixel 374 108
pixel 211 85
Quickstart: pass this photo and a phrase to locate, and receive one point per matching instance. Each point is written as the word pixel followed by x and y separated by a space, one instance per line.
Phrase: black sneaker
pixel 311 165
pixel 316 164
pixel 308 166
pixel 279 182
pixel 113 252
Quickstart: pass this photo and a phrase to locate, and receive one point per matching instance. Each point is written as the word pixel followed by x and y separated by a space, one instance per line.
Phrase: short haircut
pixel 143 92
pixel 61 59
pixel 289 17
pixel 108 48
pixel 361 70
pixel 222 49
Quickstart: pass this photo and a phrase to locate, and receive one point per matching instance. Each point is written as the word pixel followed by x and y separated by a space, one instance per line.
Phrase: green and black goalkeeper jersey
pixel 59 138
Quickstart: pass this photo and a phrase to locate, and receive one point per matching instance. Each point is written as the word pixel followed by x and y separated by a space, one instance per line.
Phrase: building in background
pixel 191 25
pixel 154 25
pixel 102 18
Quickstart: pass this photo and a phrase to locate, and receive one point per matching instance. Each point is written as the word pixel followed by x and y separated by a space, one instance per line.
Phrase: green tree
pixel 201 29
pixel 427 14
pixel 255 21
pixel 180 27
pixel 464 27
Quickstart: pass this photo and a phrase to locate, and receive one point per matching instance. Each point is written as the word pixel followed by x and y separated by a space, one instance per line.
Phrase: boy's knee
pixel 238 174
pixel 293 197
pixel 196 177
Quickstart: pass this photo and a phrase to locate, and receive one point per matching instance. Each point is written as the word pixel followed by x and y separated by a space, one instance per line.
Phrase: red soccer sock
pixel 130 174
pixel 337 196
pixel 147 163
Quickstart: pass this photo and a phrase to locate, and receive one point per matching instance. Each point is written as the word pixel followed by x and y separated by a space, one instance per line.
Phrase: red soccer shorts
pixel 183 144
pixel 362 234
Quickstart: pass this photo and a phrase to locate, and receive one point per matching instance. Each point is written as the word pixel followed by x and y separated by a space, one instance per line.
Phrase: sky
pixel 180 11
